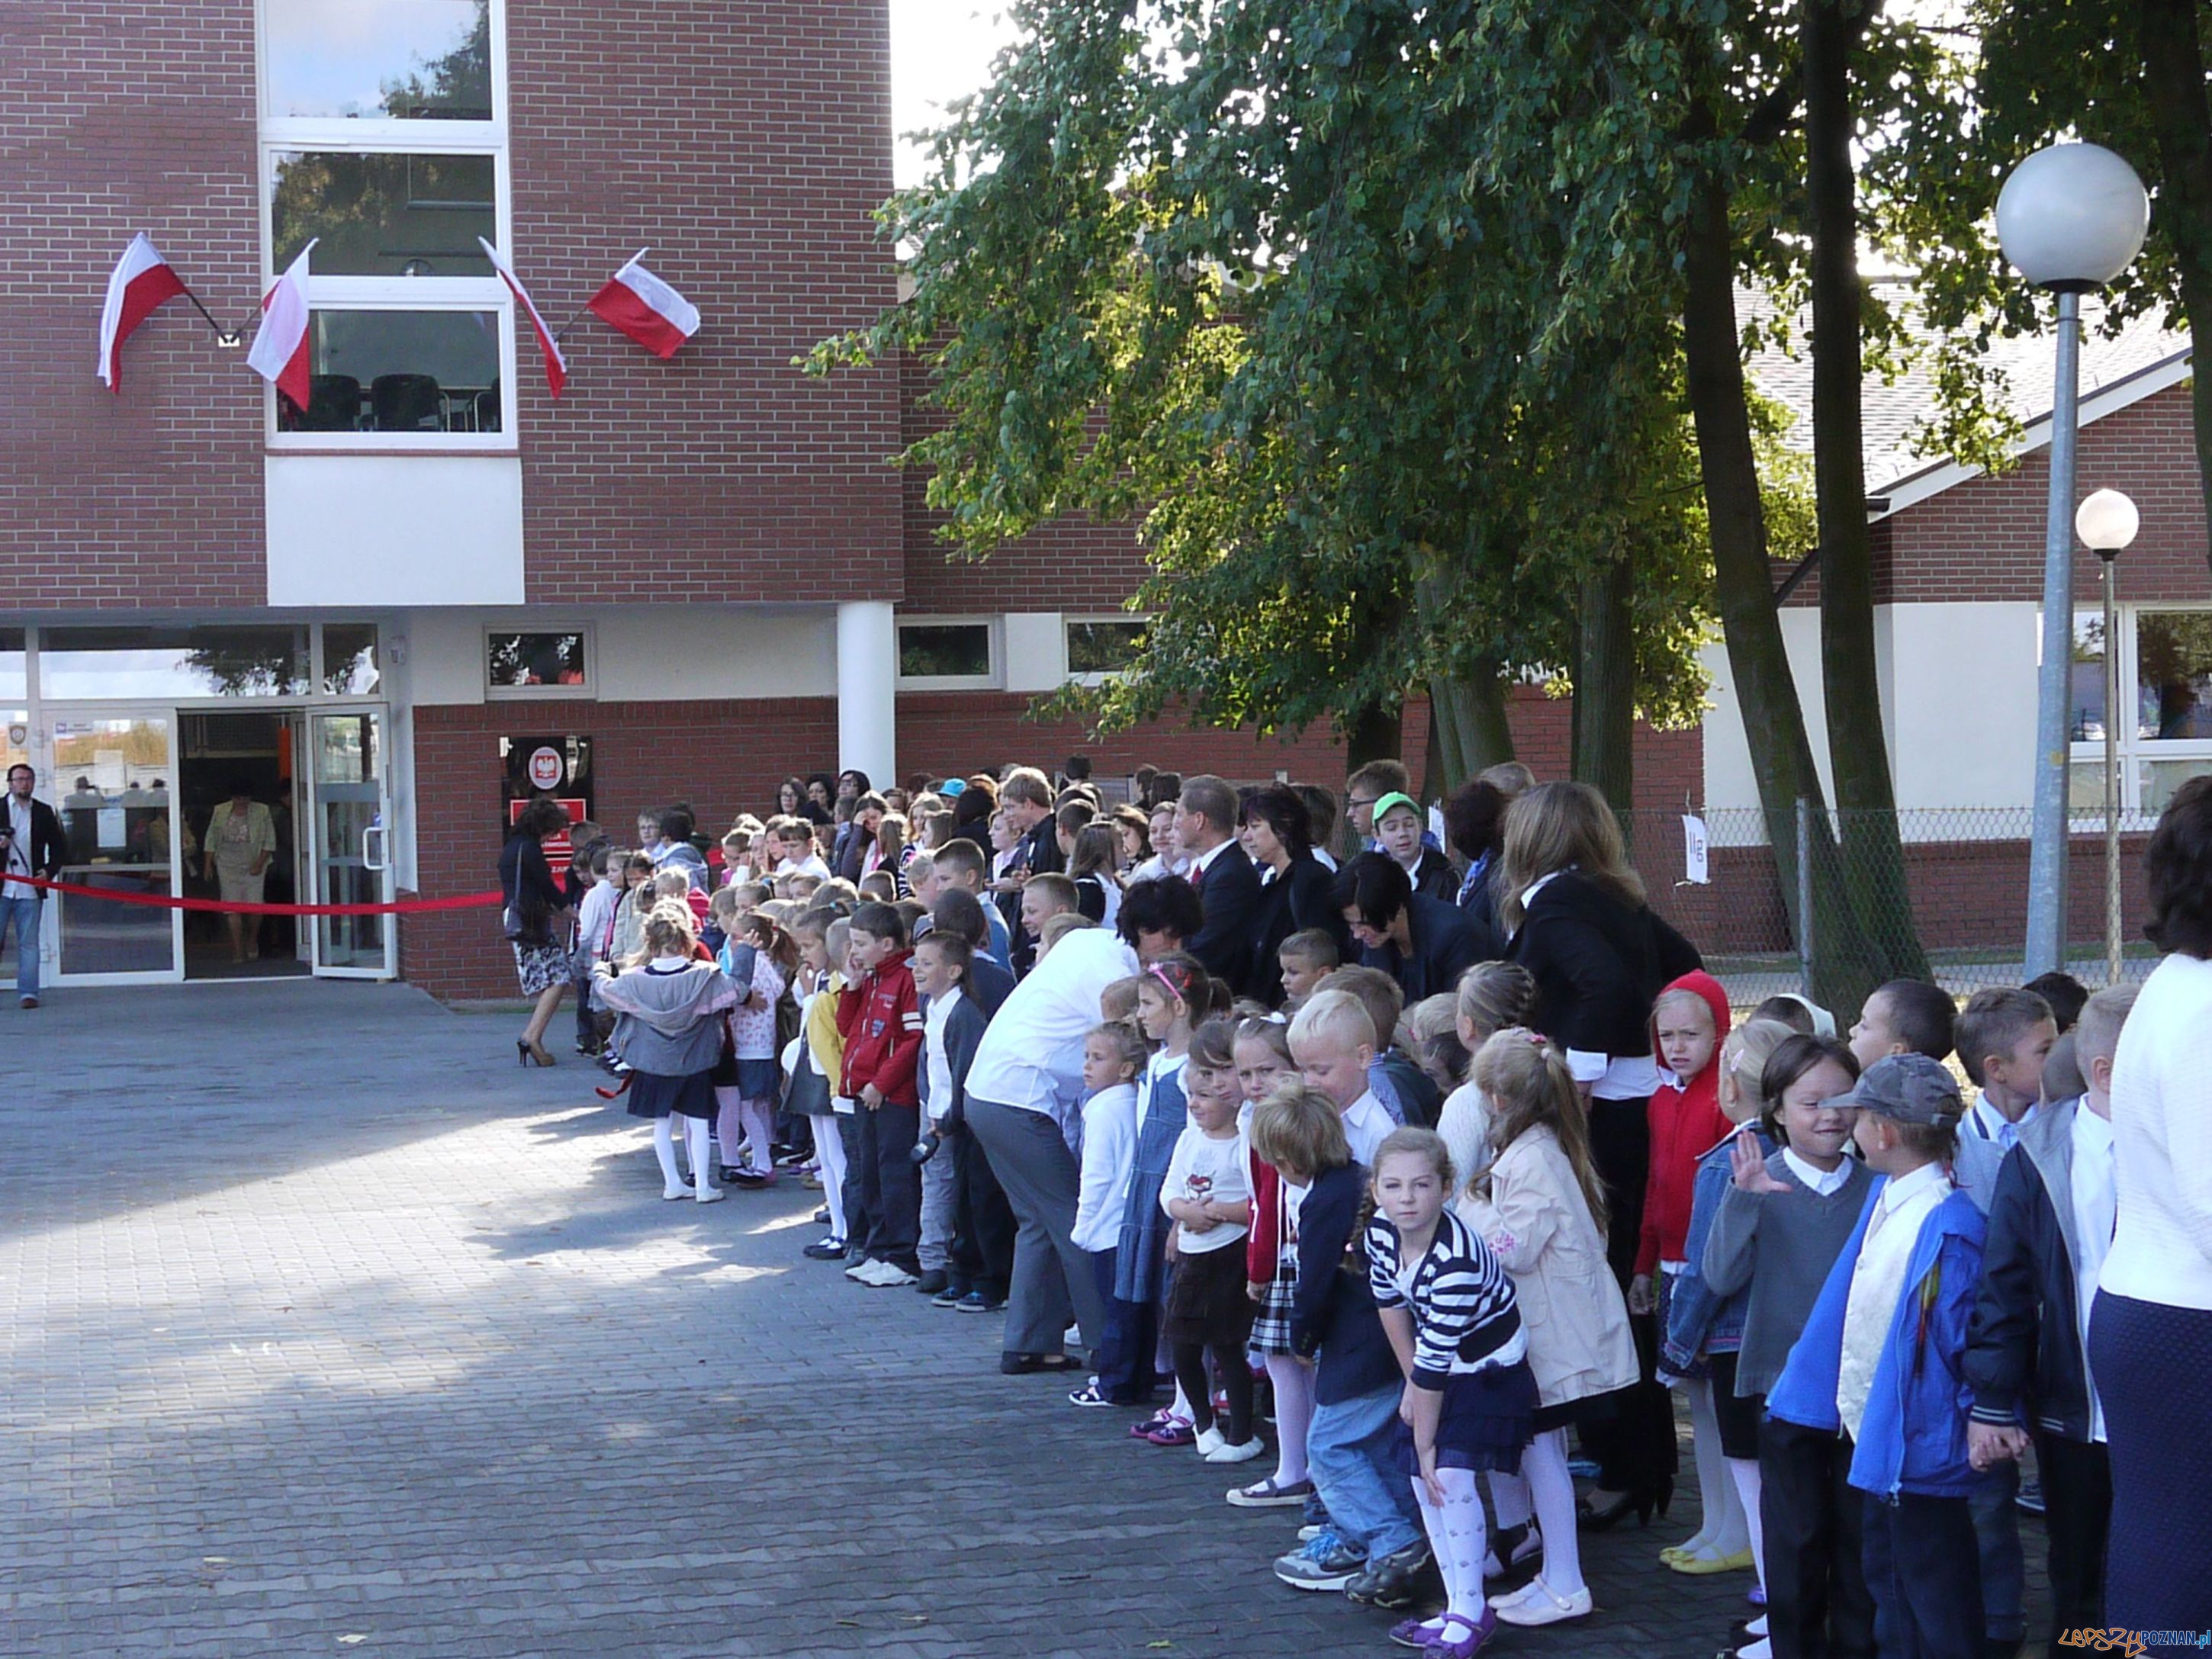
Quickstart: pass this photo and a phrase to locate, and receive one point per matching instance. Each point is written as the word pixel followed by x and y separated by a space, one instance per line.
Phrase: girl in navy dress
pixel 1449 1311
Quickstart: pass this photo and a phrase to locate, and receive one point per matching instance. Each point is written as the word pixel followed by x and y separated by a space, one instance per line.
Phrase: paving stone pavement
pixel 328 1332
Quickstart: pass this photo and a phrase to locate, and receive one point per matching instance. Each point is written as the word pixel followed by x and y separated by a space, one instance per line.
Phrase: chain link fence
pixel 1947 896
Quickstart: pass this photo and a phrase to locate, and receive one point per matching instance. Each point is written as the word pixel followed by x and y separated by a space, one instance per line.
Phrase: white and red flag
pixel 641 306
pixel 556 366
pixel 280 346
pixel 141 282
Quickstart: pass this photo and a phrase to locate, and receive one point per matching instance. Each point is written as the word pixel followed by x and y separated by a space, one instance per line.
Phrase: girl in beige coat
pixel 1541 1210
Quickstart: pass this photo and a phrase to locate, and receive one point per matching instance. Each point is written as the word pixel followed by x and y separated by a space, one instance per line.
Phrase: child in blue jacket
pixel 1880 1361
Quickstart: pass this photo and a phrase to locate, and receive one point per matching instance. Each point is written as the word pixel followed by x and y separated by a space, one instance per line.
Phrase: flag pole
pixel 561 333
pixel 226 337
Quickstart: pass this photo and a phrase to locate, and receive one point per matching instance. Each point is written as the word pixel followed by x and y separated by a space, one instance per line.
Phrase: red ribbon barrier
pixel 174 901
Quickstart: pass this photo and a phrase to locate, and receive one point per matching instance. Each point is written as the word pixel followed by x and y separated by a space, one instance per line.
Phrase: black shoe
pixel 1021 1364
pixel 825 1250
pixel 822 1216
pixel 932 1280
pixel 1398 1580
pixel 951 1297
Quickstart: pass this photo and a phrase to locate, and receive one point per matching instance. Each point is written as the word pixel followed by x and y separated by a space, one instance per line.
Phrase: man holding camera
pixel 31 845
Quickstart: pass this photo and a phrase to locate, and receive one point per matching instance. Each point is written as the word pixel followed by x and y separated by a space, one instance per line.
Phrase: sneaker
pixel 1268 1494
pixel 1310 1531
pixel 1584 1468
pixel 1327 1562
pixel 667 1192
pixel 860 1270
pixel 825 1250
pixel 30 1002
pixel 2030 1496
pixel 1539 1604
pixel 889 1276
pixel 932 1282
pixel 1210 1440
pixel 1520 1545
pixel 1395 1580
pixel 1229 1452
pixel 1178 1431
pixel 977 1302
pixel 748 1177
pixel 951 1297
pixel 1152 1425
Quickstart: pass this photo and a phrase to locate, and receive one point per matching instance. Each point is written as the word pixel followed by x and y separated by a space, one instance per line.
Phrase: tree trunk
pixel 1468 718
pixel 1373 733
pixel 1604 732
pixel 1765 693
pixel 1884 945
pixel 2174 86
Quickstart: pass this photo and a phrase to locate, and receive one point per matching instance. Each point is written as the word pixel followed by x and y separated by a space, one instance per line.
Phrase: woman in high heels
pixel 537 921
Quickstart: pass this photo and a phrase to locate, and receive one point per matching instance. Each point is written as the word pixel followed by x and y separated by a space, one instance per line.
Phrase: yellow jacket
pixel 824 1040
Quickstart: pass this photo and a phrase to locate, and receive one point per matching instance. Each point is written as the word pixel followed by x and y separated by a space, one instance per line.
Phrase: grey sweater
pixel 1780 1244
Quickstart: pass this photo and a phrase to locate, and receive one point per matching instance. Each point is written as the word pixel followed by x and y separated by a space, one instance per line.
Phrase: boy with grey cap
pixel 1879 1362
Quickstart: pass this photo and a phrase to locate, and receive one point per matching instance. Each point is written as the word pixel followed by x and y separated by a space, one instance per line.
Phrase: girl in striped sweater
pixel 1448 1308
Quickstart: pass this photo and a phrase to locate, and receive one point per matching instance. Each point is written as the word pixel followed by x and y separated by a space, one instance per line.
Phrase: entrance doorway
pixel 236 801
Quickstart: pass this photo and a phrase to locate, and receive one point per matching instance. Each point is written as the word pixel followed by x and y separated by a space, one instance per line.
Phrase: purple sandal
pixel 1174 1432
pixel 1417 1633
pixel 1446 1646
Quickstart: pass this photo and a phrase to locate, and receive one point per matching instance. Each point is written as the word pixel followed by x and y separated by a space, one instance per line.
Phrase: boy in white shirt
pixel 1333 1039
pixel 1114 1056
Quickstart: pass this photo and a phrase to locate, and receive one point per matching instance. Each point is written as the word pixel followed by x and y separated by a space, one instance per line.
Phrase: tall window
pixel 2164 728
pixel 384 140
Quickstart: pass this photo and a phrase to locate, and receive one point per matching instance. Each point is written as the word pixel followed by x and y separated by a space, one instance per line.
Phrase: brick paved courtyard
pixel 330 1331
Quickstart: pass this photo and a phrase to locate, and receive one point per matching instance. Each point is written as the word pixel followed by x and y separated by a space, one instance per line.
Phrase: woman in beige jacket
pixel 1541 1209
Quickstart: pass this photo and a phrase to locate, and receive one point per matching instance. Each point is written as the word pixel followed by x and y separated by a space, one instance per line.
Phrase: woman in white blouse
pixel 2150 1334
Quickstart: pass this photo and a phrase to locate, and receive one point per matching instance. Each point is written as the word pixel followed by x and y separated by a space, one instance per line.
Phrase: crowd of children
pixel 1383 1229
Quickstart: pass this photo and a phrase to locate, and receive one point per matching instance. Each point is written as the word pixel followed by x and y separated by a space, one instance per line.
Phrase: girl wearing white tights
pixel 1453 1320
pixel 668 1010
pixel 1541 1211
pixel 823 941
pixel 760 958
pixel 1262 1052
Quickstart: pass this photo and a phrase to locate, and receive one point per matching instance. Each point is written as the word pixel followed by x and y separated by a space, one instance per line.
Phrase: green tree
pixel 1227 270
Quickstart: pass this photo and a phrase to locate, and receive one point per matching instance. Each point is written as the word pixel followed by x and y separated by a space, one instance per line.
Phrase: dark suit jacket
pixel 1230 895
pixel 1435 876
pixel 1444 946
pixel 1298 899
pixel 1598 965
pixel 988 983
pixel 49 848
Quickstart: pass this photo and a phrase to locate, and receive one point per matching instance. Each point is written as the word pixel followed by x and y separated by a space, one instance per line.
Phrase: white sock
pixel 1294 1404
pixel 1551 1490
pixel 697 1131
pixel 1743 1475
pixel 1460 1537
pixel 663 1148
pixel 1722 1533
pixel 831 1145
pixel 1762 1649
pixel 1508 1499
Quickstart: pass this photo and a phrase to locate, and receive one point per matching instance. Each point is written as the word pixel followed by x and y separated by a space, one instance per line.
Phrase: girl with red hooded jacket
pixel 1688 1021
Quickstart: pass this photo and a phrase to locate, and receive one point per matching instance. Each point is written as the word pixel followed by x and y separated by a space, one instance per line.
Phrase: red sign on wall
pixel 558 849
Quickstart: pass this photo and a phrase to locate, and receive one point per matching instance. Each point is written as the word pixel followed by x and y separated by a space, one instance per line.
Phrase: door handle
pixel 376 861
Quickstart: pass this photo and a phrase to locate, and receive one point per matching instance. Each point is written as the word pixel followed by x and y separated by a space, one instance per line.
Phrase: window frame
pixel 383 137
pixel 995 643
pixel 494 131
pixel 1074 619
pixel 588 690
pixel 2132 751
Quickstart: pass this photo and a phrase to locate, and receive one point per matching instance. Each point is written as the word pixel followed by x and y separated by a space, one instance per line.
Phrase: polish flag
pixel 140 284
pixel 556 366
pixel 280 347
pixel 641 306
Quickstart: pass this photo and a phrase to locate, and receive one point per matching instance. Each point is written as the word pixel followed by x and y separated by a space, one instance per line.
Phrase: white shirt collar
pixel 1994 1125
pixel 2093 1135
pixel 1528 893
pixel 1204 860
pixel 1823 1181
pixel 1905 1189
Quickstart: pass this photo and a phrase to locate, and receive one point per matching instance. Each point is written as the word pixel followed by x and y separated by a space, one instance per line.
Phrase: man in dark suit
pixel 1227 882
pixel 1423 943
pixel 31 845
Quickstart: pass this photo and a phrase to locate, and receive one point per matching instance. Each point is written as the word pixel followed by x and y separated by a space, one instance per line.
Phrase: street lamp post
pixel 2070 219
pixel 2106 522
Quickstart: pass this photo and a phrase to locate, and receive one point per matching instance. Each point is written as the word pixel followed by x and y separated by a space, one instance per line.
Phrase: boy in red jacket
pixel 1688 1021
pixel 883 1054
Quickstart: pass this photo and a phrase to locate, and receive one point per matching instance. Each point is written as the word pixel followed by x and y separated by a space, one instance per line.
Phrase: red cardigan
pixel 1687 1123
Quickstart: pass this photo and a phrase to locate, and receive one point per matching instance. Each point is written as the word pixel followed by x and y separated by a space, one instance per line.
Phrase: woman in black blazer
pixel 1423 943
pixel 1579 923
pixel 1277 830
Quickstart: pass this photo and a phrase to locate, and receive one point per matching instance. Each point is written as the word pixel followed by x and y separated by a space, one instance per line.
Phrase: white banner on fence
pixel 1695 868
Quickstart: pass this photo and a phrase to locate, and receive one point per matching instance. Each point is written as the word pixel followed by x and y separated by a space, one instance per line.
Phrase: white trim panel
pixel 337 538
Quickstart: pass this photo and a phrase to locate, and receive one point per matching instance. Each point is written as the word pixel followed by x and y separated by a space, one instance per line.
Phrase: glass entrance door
pixel 112 775
pixel 349 815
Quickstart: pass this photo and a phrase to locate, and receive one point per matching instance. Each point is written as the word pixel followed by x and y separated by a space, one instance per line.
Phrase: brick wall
pixel 116 119
pixel 1982 539
pixel 748 142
